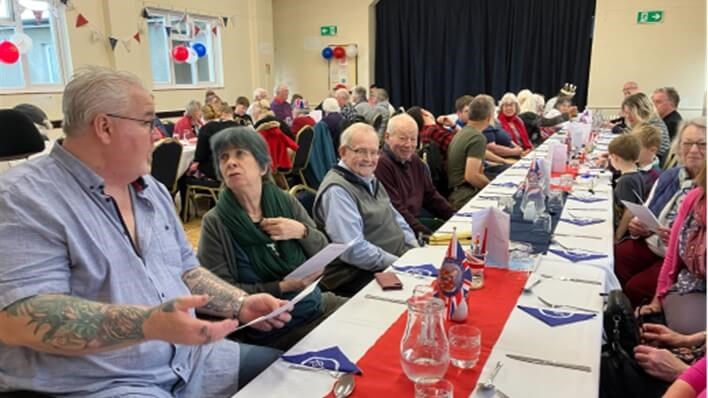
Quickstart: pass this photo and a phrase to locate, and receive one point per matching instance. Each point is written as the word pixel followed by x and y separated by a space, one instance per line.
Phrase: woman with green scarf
pixel 257 234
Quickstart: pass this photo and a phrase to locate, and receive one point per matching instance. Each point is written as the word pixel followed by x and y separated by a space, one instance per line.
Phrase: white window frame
pixel 61 36
pixel 216 72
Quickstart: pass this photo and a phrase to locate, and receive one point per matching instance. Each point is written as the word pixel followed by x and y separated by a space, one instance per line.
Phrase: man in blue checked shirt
pixel 98 285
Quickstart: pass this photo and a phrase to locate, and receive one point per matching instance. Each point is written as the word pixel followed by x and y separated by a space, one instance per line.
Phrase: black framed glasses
pixel 152 123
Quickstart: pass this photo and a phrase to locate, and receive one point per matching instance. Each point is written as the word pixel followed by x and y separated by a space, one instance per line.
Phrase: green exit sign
pixel 330 30
pixel 650 16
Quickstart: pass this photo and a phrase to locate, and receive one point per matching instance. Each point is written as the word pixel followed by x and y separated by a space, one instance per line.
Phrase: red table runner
pixel 489 308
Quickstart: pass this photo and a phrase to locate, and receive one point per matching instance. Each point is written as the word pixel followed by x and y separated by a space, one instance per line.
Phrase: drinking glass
pixel 542 223
pixel 465 342
pixel 433 388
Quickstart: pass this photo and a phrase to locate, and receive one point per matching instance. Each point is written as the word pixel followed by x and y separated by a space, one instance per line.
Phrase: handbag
pixel 619 323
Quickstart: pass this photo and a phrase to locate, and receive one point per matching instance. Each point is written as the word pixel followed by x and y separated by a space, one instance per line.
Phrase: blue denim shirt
pixel 61 234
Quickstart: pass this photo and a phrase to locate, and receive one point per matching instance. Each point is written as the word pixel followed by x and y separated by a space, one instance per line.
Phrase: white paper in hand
pixel 643 214
pixel 319 261
pixel 287 307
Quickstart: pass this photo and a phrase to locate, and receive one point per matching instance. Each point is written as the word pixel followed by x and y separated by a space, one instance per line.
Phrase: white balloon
pixel 352 51
pixel 22 41
pixel 193 57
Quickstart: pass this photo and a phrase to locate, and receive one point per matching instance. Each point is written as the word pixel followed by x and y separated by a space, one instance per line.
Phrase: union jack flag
pixel 455 277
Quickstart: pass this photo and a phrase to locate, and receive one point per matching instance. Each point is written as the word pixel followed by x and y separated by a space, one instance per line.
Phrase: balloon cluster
pixel 190 55
pixel 10 50
pixel 340 52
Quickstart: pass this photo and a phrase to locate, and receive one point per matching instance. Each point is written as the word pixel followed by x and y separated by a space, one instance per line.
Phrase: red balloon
pixel 180 53
pixel 340 52
pixel 9 53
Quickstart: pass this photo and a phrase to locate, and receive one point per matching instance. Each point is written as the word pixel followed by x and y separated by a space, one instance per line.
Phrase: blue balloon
pixel 200 49
pixel 327 53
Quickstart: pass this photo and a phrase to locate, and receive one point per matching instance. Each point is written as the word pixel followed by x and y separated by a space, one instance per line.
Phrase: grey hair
pixel 699 122
pixel 257 93
pixel 381 95
pixel 342 93
pixel 360 93
pixel 671 94
pixel 510 98
pixel 348 133
pixel 241 137
pixel 193 106
pixel 93 90
pixel 398 121
pixel 330 105
pixel 278 87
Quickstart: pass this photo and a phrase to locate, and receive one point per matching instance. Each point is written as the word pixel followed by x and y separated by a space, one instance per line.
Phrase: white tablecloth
pixel 187 157
pixel 358 324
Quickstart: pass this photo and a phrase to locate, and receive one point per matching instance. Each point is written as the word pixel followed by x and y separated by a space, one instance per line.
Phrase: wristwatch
pixel 238 304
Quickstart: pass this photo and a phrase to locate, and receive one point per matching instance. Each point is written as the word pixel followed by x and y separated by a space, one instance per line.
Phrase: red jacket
pixel 184 129
pixel 516 129
pixel 300 122
pixel 278 144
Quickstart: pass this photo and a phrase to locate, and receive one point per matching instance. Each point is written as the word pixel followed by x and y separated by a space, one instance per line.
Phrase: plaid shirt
pixel 439 135
pixel 348 111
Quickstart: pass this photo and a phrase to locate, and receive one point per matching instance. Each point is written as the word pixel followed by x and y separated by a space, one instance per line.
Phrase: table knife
pixel 546 362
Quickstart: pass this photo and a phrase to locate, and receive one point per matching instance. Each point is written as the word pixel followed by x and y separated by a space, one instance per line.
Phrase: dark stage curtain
pixel 430 52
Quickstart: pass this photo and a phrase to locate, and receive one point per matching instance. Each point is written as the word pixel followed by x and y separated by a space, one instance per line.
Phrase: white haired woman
pixel 188 126
pixel 333 118
pixel 257 234
pixel 509 118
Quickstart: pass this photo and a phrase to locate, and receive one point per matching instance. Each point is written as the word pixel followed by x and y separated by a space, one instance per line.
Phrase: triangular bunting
pixel 81 21
pixel 196 30
pixel 113 42
pixel 226 20
pixel 136 36
pixel 64 1
pixel 126 44
pixel 214 30
pixel 145 14
pixel 38 15
pixel 168 29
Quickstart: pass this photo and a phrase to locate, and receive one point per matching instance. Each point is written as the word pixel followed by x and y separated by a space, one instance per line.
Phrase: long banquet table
pixel 357 325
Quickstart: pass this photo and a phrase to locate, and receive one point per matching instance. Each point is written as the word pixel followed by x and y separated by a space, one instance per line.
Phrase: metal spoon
pixel 344 386
pixel 489 383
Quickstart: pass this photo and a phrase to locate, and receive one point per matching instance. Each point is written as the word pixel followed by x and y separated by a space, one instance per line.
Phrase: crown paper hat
pixel 568 89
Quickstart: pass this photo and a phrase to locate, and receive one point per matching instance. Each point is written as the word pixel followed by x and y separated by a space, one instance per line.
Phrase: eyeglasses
pixel 366 152
pixel 152 123
pixel 689 144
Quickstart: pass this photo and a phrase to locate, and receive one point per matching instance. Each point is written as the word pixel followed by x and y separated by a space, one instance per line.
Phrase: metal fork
pixel 574 248
pixel 560 306
pixel 332 373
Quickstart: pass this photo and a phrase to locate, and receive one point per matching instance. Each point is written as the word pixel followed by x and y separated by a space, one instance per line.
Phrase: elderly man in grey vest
pixel 352 206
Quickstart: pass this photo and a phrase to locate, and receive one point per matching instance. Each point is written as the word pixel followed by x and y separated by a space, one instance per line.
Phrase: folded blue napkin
pixel 583 221
pixel 576 256
pixel 507 184
pixel 586 199
pixel 555 318
pixel 422 269
pixel 331 358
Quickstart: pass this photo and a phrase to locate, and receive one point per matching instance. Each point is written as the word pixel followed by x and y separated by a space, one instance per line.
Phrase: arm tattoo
pixel 75 324
pixel 223 298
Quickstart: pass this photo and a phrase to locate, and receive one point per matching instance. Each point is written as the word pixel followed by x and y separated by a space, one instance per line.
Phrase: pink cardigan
pixel 670 267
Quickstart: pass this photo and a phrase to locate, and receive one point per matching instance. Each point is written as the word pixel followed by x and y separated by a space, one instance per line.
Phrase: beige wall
pixel 245 46
pixel 672 53
pixel 298 43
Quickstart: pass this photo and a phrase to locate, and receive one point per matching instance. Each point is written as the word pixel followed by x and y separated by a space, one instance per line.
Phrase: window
pixel 186 30
pixel 45 66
